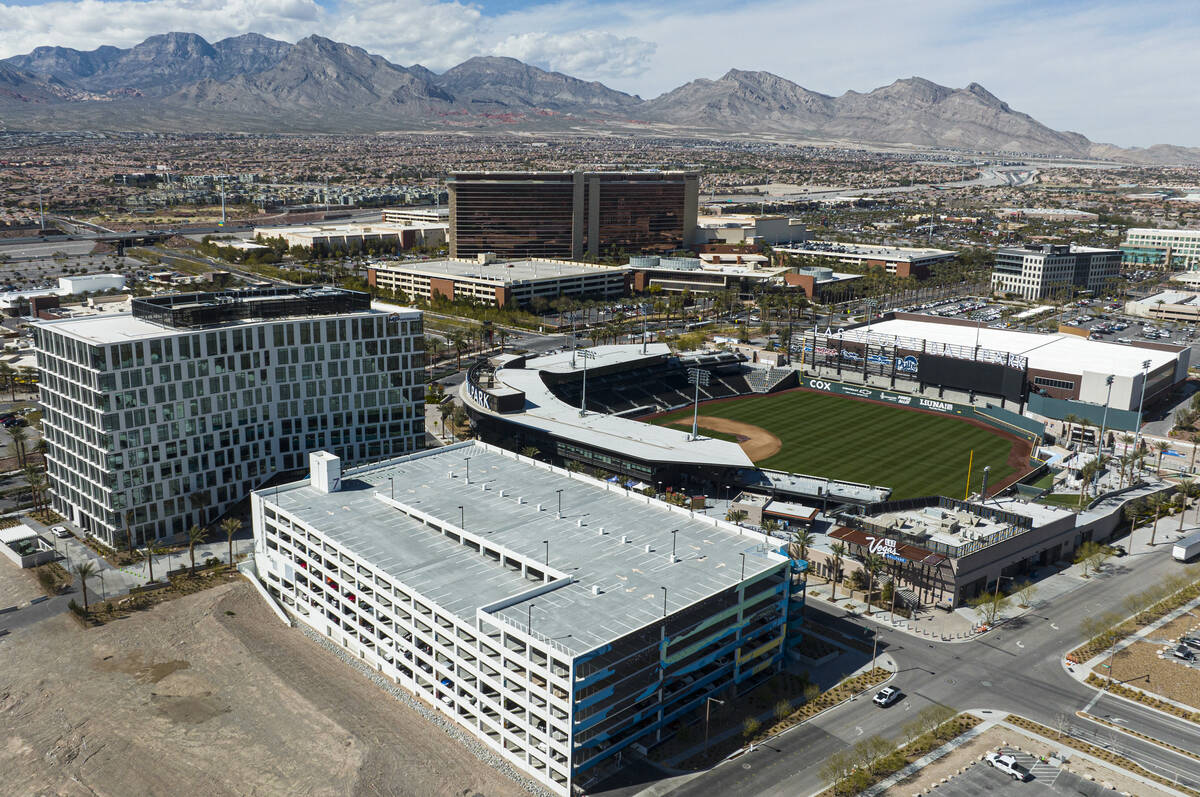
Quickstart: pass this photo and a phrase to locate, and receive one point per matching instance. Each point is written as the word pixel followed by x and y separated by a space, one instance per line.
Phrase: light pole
pixel 708 701
pixel 559 503
pixel 462 520
pixel 673 533
pixel 1104 421
pixel 664 589
pixel 547 544
pixel 698 377
pixel 468 470
pixel 743 578
pixel 529 617
pixel 1137 438
pixel 392 487
pixel 871 305
pixel 586 354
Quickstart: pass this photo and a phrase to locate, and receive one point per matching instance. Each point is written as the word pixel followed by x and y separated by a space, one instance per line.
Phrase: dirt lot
pixel 1139 665
pixel 211 694
pixel 17 586
pixel 1184 625
pixel 756 441
pixel 1002 736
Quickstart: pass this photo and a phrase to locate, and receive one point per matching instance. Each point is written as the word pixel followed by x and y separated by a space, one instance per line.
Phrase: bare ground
pixel 16 585
pixel 1139 665
pixel 756 441
pixel 211 694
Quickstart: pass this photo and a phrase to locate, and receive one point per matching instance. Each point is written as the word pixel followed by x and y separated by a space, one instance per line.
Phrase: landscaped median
pixel 1118 688
pixel 1106 756
pixel 1106 630
pixel 783 702
pixel 871 760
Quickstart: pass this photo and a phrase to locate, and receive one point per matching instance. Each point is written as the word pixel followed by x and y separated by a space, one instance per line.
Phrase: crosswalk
pixel 1042 771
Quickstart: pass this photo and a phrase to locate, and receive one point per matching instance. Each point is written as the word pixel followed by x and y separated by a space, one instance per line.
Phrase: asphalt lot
pixel 982 779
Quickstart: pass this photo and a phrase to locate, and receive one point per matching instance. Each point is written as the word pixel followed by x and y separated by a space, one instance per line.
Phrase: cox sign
pixel 818 384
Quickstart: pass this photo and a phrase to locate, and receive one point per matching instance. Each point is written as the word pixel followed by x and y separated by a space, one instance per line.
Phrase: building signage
pixel 885 547
pixel 939 406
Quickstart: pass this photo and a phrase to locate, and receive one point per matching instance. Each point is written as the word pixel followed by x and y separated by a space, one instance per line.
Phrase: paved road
pixel 1017 669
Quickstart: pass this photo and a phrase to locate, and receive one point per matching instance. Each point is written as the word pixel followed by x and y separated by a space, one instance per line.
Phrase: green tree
pixel 18 435
pixel 750 727
pixel 152 551
pixel 801 540
pixel 736 516
pixel 1026 590
pixel 839 551
pixel 872 563
pixel 1162 447
pixel 530 452
pixel 989 604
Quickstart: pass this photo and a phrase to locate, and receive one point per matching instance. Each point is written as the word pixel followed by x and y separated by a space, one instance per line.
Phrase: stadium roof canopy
pixel 547 413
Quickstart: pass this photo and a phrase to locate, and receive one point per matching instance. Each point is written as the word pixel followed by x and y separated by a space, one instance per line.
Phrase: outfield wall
pixel 998 419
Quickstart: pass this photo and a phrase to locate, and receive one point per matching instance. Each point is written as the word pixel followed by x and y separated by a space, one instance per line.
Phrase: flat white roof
pixel 1161 232
pixel 1053 352
pixel 500 272
pixel 124 327
pixel 836 248
pixel 546 412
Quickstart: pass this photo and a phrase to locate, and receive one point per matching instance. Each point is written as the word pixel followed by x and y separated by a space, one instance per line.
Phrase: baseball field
pixel 914 452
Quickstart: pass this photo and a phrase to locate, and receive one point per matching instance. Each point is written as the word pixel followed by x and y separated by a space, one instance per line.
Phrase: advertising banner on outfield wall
pixel 921 403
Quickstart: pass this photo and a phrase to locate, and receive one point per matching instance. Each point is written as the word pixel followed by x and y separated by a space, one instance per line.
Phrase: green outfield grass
pixel 914 453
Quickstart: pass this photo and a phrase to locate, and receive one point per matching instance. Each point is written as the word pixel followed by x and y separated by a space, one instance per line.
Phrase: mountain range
pixel 180 81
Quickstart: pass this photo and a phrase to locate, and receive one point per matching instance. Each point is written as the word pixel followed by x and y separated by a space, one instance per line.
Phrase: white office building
pixel 560 619
pixel 1171 249
pixel 1036 271
pixel 162 418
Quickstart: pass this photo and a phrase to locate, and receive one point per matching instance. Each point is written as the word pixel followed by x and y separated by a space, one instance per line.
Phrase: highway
pixel 1016 669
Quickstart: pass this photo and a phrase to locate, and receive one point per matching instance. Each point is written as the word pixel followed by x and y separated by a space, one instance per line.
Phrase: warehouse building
pixel 165 417
pixel 558 618
pixel 1167 306
pixel 380 237
pixel 499 283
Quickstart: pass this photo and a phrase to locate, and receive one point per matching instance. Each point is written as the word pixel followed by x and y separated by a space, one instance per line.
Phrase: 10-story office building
pixel 165 417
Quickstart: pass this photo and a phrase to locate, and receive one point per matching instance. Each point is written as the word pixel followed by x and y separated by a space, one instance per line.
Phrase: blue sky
pixel 1114 70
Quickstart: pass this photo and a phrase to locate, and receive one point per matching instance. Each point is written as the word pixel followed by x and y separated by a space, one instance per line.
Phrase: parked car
pixel 1183 652
pixel 886 696
pixel 1190 641
pixel 60 532
pixel 1008 765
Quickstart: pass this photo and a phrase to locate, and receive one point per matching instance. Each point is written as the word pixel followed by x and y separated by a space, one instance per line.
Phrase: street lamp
pixel 392 487
pixel 586 354
pixel 529 617
pixel 1137 439
pixel 664 589
pixel 743 578
pixel 547 544
pixel 698 377
pixel 462 521
pixel 559 503
pixel 673 533
pixel 468 470
pixel 707 706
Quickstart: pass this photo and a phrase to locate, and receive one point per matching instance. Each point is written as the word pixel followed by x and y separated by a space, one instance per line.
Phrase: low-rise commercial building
pixel 416 216
pixel 1168 249
pixel 347 238
pixel 1167 306
pixel 1037 270
pixel 499 283
pixel 742 228
pixel 1047 214
pixel 90 283
pixel 165 417
pixel 901 261
pixel 558 618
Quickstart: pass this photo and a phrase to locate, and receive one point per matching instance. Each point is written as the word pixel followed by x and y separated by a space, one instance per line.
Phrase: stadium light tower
pixel 1137 438
pixel 871 305
pixel 585 355
pixel 698 377
pixel 1108 380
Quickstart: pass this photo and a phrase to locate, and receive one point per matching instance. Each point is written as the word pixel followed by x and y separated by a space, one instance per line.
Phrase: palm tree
pixel 838 550
pixel 1162 447
pixel 152 551
pixel 18 434
pixel 530 452
pixel 8 378
pixel 873 563
pixel 458 340
pixel 195 535
pixel 801 539
pixel 231 526
pixel 736 516
pixel 1069 421
pixel 36 482
pixel 1157 503
pixel 84 570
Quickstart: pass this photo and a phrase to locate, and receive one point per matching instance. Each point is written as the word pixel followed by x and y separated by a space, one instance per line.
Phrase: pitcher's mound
pixel 756 441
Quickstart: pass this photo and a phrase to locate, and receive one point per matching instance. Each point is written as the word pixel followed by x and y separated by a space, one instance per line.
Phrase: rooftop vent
pixel 325 472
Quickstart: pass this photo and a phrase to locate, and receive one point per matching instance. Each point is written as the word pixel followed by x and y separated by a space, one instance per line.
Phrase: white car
pixel 60 532
pixel 886 696
pixel 1008 765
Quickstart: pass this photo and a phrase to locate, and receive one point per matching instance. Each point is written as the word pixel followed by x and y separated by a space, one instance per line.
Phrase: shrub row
pixel 1143 697
pixel 1146 607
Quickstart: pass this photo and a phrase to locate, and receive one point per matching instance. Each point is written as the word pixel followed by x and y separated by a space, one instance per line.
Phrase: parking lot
pixel 982 779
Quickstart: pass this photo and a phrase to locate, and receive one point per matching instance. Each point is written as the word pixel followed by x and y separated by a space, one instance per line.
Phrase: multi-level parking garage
pixel 559 618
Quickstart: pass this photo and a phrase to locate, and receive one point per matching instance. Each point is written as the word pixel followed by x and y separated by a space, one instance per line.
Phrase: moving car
pixel 1008 765
pixel 886 696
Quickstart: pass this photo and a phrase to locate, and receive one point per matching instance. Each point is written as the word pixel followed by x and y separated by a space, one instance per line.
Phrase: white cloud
pixel 1113 70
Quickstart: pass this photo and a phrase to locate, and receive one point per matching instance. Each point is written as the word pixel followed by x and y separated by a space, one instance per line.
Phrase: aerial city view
pixel 423 398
